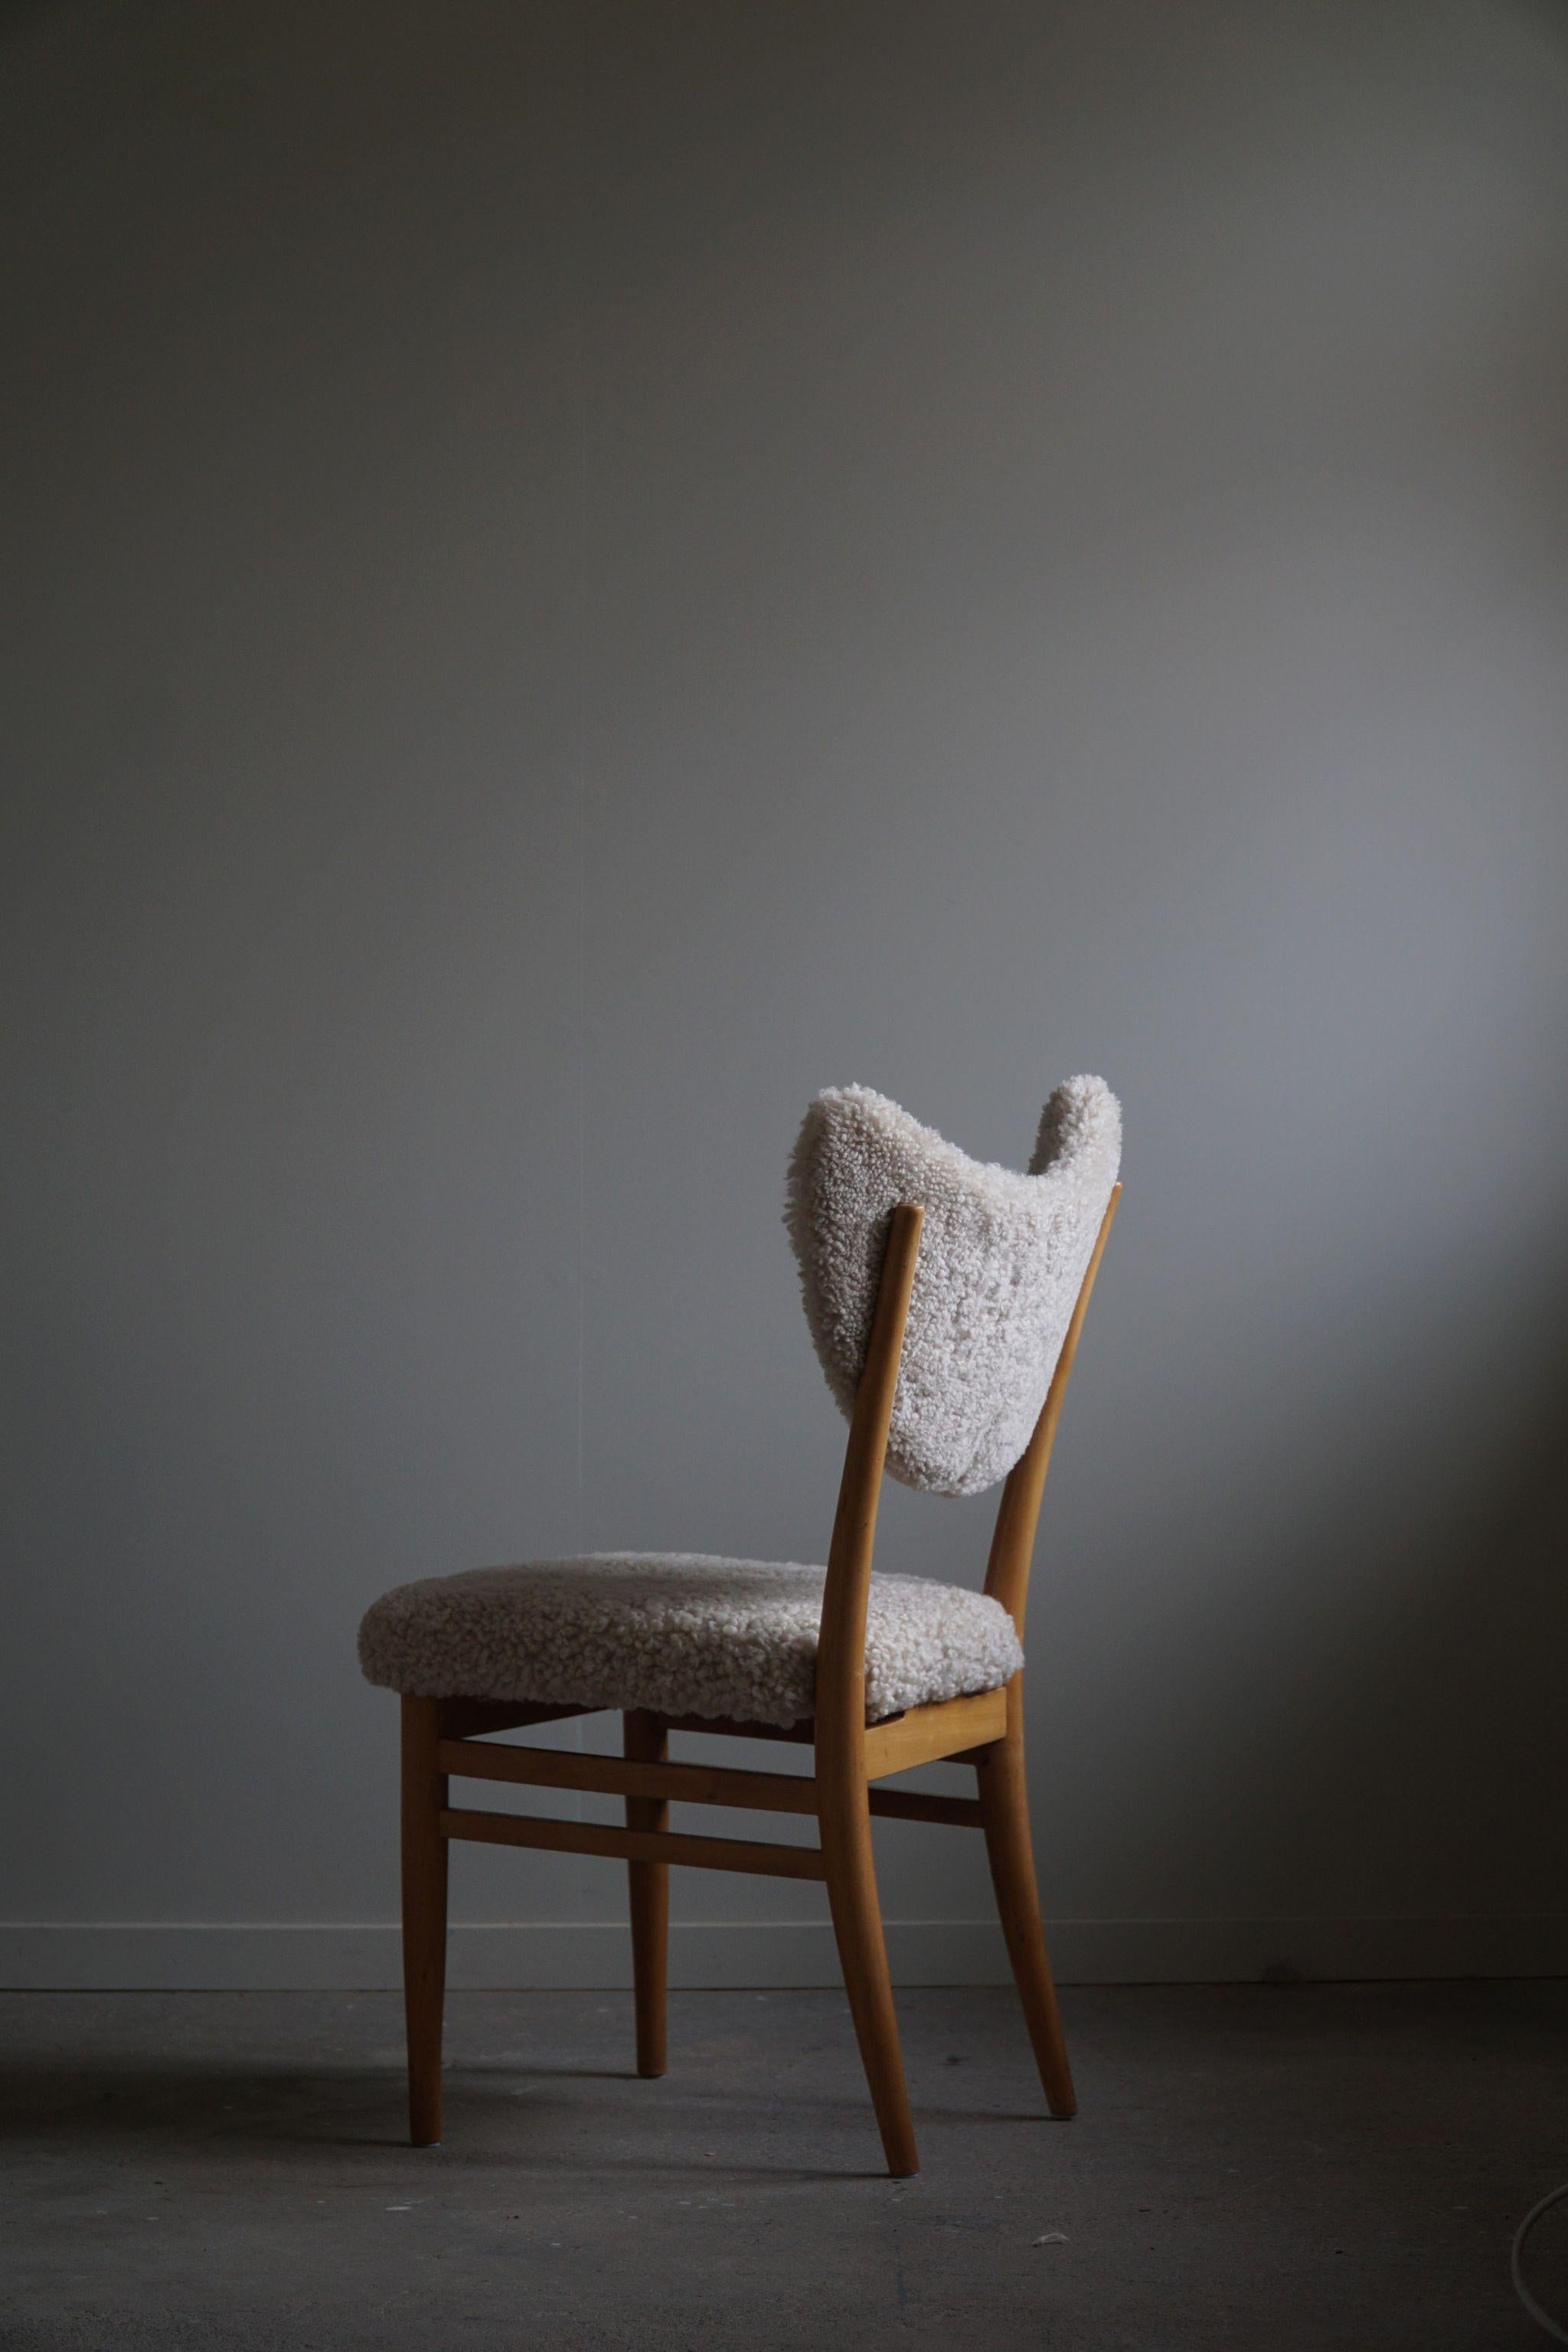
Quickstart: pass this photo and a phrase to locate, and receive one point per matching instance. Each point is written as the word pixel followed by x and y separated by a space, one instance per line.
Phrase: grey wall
pixel 574 573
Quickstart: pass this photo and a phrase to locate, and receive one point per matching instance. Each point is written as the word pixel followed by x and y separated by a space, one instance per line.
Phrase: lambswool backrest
pixel 1002 1258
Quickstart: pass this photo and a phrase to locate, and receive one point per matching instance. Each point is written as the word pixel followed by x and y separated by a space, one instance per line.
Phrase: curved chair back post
pixel 843 1794
pixel 1013 1542
pixel 841 1642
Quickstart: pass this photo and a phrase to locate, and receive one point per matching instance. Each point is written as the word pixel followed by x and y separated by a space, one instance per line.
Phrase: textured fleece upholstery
pixel 677 1632
pixel 1002 1258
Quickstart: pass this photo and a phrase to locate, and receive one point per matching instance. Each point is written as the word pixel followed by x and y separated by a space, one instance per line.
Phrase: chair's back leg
pixel 424 1914
pixel 1004 1805
pixel 646 1741
pixel 1004 1791
pixel 844 1817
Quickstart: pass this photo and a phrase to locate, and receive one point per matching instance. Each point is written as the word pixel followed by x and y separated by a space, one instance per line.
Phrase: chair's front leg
pixel 843 1798
pixel 844 1817
pixel 424 1914
pixel 646 1741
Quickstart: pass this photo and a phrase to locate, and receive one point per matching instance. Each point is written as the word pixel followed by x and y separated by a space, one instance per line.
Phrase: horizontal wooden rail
pixel 730 1727
pixel 909 1805
pixel 932 1735
pixel 462 1718
pixel 634 1845
pixel 612 1776
pixel 955 1729
pixel 687 1784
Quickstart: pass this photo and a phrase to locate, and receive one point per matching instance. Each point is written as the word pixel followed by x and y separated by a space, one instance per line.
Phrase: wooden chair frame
pixel 443 1737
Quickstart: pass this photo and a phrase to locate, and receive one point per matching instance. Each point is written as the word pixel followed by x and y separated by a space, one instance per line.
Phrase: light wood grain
pixel 632 1845
pixel 843 1811
pixel 1018 1514
pixel 925 1734
pixel 690 1784
pixel 1003 1782
pixel 1005 1808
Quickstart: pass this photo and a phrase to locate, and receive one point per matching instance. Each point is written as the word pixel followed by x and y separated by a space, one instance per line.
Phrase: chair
pixel 946 1301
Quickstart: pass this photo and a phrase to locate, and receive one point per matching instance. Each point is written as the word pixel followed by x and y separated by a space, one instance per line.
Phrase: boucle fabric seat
pixel 680 1633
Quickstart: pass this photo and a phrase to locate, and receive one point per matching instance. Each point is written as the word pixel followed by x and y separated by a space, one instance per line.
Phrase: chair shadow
pixel 246 2109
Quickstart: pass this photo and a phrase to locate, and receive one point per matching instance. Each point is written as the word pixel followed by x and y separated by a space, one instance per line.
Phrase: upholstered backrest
pixel 1002 1258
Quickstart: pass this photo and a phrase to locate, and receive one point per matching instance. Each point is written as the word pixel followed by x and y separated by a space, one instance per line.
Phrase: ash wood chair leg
pixel 845 1823
pixel 1004 1807
pixel 646 1741
pixel 424 1914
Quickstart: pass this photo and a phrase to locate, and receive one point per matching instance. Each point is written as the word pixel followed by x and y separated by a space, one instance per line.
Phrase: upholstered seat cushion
pixel 678 1632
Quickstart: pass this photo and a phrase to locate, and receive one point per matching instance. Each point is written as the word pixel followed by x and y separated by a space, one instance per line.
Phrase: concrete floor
pixel 1329 2165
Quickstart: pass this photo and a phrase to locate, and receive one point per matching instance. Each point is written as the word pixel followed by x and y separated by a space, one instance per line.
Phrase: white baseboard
pixel 258 1957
